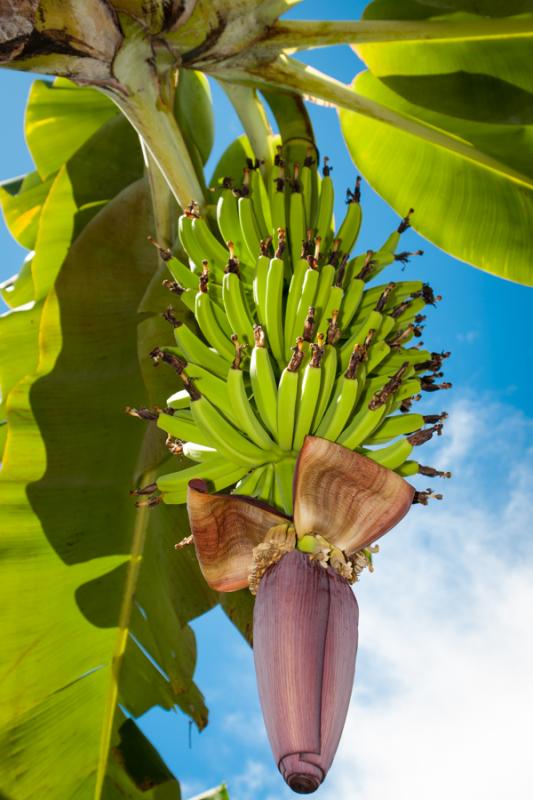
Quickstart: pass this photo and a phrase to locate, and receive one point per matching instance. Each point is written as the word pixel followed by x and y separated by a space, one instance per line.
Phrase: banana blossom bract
pixel 305 615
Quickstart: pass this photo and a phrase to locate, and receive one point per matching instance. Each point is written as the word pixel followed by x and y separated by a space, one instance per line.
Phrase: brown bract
pixel 346 497
pixel 343 496
pixel 226 528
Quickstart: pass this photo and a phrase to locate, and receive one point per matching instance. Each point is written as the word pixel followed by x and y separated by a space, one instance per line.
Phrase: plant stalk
pixel 153 119
pixel 302 34
pixel 163 201
pixel 253 118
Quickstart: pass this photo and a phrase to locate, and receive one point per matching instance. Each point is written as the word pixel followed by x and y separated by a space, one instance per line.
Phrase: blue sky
pixel 443 684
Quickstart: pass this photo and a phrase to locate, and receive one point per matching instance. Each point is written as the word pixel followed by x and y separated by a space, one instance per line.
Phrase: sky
pixel 443 693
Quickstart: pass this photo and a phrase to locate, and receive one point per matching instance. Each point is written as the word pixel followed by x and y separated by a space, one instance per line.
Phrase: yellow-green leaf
pixel 472 189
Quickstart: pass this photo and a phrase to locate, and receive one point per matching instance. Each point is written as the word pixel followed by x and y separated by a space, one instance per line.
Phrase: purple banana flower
pixel 306 615
pixel 305 643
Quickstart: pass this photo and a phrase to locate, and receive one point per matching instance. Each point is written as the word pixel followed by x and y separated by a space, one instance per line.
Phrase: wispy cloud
pixel 468 337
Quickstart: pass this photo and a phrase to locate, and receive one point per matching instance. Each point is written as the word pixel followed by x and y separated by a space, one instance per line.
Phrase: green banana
pixel 391 243
pixel 392 456
pixel 288 397
pixel 228 219
pixel 192 246
pixel 182 426
pixel 213 388
pixel 250 230
pixel 329 371
pixel 339 409
pixel 407 469
pixel 179 400
pixel 308 397
pixel 264 488
pixel 281 491
pixel 399 293
pixel 305 302
pixel 247 420
pixel 325 209
pixel 182 274
pixel 250 485
pixel 259 286
pixel 204 310
pixel 376 354
pixel 325 284
pixel 216 253
pixel 198 452
pixel 372 323
pixel 217 471
pixel 279 220
pixel 395 426
pixel 297 221
pixel 260 201
pixel 308 182
pixel 225 437
pixel 414 308
pixel 351 224
pixel 409 388
pixel 263 381
pixel 395 359
pixel 273 304
pixel 331 310
pixel 351 301
pixel 293 298
pixel 237 311
pixel 362 425
pixel 196 352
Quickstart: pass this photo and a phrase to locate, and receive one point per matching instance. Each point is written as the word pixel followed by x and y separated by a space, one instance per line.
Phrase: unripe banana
pixel 288 397
pixel 324 222
pixel 308 397
pixel 237 312
pixel 228 219
pixel 274 305
pixel 264 384
pixel 351 225
pixel 297 220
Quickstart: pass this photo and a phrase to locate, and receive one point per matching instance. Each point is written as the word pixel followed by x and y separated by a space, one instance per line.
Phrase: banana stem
pixel 163 201
pixel 254 120
pixel 163 139
pixel 302 35
pixel 140 101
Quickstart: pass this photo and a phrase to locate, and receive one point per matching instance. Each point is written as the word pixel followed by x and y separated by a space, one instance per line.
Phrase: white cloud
pixel 443 701
pixel 468 337
pixel 251 781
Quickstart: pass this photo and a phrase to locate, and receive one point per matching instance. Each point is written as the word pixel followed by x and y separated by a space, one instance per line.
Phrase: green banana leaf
pixel 472 188
pixel 82 112
pixel 92 590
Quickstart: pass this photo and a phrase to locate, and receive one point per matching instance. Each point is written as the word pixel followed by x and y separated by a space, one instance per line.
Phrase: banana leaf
pixel 96 602
pixel 467 169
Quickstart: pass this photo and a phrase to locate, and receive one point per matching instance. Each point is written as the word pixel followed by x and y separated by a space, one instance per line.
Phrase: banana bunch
pixel 293 336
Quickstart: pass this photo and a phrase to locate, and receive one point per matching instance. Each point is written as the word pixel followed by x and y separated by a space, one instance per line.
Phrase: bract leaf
pixel 345 497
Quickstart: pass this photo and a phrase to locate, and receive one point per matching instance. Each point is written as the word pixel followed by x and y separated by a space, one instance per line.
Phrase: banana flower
pixel 305 615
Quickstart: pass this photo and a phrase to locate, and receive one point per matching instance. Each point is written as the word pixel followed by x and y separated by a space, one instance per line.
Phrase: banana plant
pixel 86 315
